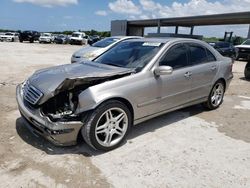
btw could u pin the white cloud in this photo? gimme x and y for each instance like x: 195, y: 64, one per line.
x: 192, y: 7
x: 48, y: 3
x: 124, y: 7
x: 147, y: 9
x: 101, y: 13
x: 153, y: 9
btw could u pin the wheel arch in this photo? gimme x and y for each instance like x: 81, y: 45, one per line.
x: 223, y: 81
x: 122, y: 100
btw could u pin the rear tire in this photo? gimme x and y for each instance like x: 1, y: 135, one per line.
x: 216, y: 96
x: 107, y: 126
x: 247, y: 71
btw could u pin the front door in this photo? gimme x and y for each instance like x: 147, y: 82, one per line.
x: 169, y: 90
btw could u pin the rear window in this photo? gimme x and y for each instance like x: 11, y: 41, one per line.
x: 210, y: 56
x: 198, y: 54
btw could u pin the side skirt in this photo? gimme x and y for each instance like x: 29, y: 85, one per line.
x: 198, y: 101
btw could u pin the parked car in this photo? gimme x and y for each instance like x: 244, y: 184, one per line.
x: 226, y: 49
x: 132, y: 82
x: 46, y: 38
x: 79, y: 38
x: 90, y: 52
x: 93, y: 39
x: 61, y: 39
x: 244, y: 50
x: 30, y: 36
x: 10, y: 37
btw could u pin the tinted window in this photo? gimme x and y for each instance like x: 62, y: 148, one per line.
x: 197, y: 54
x: 176, y: 57
x: 210, y: 56
x: 222, y: 45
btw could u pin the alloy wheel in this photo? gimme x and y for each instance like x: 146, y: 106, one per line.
x: 217, y: 94
x: 111, y: 127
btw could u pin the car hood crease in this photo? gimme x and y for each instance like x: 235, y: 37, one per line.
x: 54, y: 80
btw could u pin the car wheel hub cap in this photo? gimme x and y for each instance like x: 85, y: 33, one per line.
x: 111, y: 127
x: 217, y: 94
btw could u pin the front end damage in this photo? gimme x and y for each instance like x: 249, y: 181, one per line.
x: 57, y: 118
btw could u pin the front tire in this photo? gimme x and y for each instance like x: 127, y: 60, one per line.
x: 108, y: 126
x: 216, y: 96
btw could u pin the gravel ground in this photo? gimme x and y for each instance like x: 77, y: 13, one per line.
x: 192, y: 147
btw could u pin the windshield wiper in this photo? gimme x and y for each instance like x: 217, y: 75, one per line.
x: 112, y: 64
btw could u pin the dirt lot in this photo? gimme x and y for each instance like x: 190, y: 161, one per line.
x: 187, y: 148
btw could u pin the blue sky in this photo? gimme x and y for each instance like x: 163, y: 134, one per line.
x: 59, y: 15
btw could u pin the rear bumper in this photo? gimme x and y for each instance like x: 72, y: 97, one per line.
x: 45, y: 40
x: 73, y: 41
x: 59, y: 133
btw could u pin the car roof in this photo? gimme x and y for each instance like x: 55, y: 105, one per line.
x: 126, y: 37
x: 164, y: 39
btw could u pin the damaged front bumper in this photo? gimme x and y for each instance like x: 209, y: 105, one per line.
x: 59, y: 133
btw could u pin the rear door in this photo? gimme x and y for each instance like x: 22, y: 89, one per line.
x: 203, y: 71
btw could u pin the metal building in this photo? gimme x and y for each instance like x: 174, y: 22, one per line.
x: 136, y: 27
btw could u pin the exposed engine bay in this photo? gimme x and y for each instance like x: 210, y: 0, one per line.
x: 63, y: 105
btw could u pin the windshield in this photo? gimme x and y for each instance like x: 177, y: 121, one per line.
x: 46, y: 35
x: 75, y: 35
x: 9, y: 34
x: 105, y: 42
x: 130, y: 54
x: 247, y: 42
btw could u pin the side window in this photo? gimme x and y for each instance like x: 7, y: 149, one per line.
x: 175, y: 57
x: 197, y: 54
x: 210, y: 56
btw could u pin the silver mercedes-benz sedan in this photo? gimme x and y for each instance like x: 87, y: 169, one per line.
x: 132, y: 82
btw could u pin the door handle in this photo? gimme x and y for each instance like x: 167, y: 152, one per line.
x: 188, y: 74
x: 213, y: 68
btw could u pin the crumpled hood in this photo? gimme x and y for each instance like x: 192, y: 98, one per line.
x: 54, y: 80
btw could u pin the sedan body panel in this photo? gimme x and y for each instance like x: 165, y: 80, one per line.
x: 83, y: 87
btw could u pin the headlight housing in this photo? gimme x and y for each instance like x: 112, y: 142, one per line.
x: 89, y: 55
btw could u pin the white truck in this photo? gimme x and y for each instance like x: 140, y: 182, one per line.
x: 79, y: 38
x: 46, y: 38
x: 10, y: 37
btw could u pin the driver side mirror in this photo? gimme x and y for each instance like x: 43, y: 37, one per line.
x: 163, y: 70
